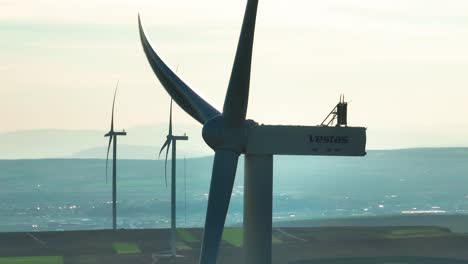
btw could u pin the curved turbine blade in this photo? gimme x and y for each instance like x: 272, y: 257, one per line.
x: 170, y: 119
x: 162, y: 148
x: 165, y: 162
x: 222, y: 180
x: 107, y: 158
x: 184, y: 96
x: 113, y: 104
x: 237, y: 95
x: 166, y: 144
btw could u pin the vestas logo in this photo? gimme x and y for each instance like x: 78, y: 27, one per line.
x: 329, y: 139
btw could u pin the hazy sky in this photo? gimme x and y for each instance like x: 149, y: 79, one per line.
x: 403, y: 64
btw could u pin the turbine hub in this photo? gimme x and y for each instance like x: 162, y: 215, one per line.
x: 220, y: 136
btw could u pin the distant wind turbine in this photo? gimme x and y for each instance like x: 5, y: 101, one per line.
x: 229, y: 133
x: 113, y: 138
x: 171, y: 139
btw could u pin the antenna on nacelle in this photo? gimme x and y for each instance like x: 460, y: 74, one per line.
x: 339, y: 113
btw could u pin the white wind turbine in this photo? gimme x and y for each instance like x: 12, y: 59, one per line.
x: 171, y: 139
x: 113, y: 138
x: 230, y: 134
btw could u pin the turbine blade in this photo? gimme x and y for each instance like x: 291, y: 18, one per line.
x: 170, y: 119
x: 165, y: 165
x: 166, y: 144
x: 107, y: 157
x: 184, y: 96
x: 113, y: 104
x: 237, y: 95
x: 222, y: 180
x: 162, y: 148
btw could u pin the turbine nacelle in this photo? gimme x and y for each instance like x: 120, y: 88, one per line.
x: 219, y: 135
x: 114, y: 133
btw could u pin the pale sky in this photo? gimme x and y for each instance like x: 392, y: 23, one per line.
x: 403, y: 64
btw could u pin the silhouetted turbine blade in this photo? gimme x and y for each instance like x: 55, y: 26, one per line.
x: 113, y: 104
x: 166, y: 144
x: 222, y: 180
x: 184, y: 96
x: 162, y: 148
x: 107, y: 157
x: 165, y: 162
x: 237, y: 95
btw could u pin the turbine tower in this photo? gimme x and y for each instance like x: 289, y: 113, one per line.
x: 230, y: 134
x: 113, y: 138
x: 171, y: 139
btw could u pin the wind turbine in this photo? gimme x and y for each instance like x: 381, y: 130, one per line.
x: 113, y: 138
x: 172, y: 139
x: 230, y: 134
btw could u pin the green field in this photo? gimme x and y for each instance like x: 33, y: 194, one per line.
x: 418, y: 232
x: 186, y: 236
x: 302, y: 245
x: 126, y: 248
x: 235, y: 236
x: 32, y: 260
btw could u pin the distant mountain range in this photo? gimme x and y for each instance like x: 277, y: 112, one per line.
x: 142, y: 142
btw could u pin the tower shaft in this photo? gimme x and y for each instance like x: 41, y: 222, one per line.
x: 173, y: 199
x: 258, y: 197
x: 114, y: 185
